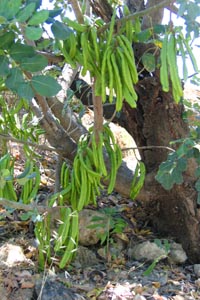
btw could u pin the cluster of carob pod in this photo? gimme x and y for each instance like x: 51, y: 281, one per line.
x: 108, y: 56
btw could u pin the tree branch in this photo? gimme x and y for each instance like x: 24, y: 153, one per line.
x: 141, y: 13
x: 29, y: 207
x: 77, y: 10
x: 52, y: 59
x: 36, y: 146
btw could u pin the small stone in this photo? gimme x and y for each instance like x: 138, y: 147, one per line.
x: 197, y: 283
x: 27, y: 285
x: 177, y: 255
x: 197, y: 270
x: 139, y: 297
x: 55, y: 290
x: 85, y: 258
x: 178, y: 297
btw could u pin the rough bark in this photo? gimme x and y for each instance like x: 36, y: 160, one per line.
x: 157, y: 120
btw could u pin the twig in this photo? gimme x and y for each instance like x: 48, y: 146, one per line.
x: 28, y: 207
x: 58, y: 172
x: 76, y: 7
x: 149, y: 147
x: 10, y: 138
x: 141, y: 13
x: 52, y: 59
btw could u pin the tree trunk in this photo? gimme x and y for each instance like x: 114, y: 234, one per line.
x: 156, y: 121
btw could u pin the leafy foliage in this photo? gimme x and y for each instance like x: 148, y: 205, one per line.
x: 111, y: 222
x: 29, y: 180
x: 12, y: 122
x: 171, y: 171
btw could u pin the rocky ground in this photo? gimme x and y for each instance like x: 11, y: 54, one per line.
x: 134, y: 264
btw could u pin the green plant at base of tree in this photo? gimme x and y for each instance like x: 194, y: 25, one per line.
x: 112, y: 223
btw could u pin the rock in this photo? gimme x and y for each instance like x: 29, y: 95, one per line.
x: 177, y: 255
x: 89, y: 236
x: 52, y: 289
x: 11, y: 255
x: 159, y: 278
x: 178, y: 297
x: 147, y: 251
x: 125, y: 141
x: 117, y: 292
x: 197, y: 283
x: 85, y: 258
x: 139, y: 297
x: 197, y: 270
x: 150, y: 251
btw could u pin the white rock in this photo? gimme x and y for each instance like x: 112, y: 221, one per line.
x: 11, y: 254
x: 139, y: 297
x: 197, y: 270
x: 147, y: 251
x: 177, y: 255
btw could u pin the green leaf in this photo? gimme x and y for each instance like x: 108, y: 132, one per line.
x: 7, y: 39
x: 55, y: 12
x: 193, y: 10
x: 198, y: 198
x: 26, y: 216
x: 148, y: 61
x: 197, y: 172
x: 152, y: 265
x: 150, y: 268
x: 2, y: 181
x: 60, y: 30
x: 45, y: 85
x: 103, y: 237
x: 138, y: 183
x: 35, y: 63
x: 38, y: 3
x: 5, y: 173
x: 32, y: 175
x: 165, y: 180
x: 33, y: 33
x: 26, y: 13
x: 25, y: 91
x: 25, y: 172
x: 9, y: 8
x: 39, y: 17
x: 14, y: 79
x: 98, y: 218
x: 3, y: 20
x: 182, y: 8
x: 170, y: 171
x: 4, y: 66
x: 158, y: 29
x: 144, y: 35
x: 177, y: 176
x: 20, y: 51
x: 197, y: 185
x: 181, y: 164
x: 23, y: 181
x: 185, y: 147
